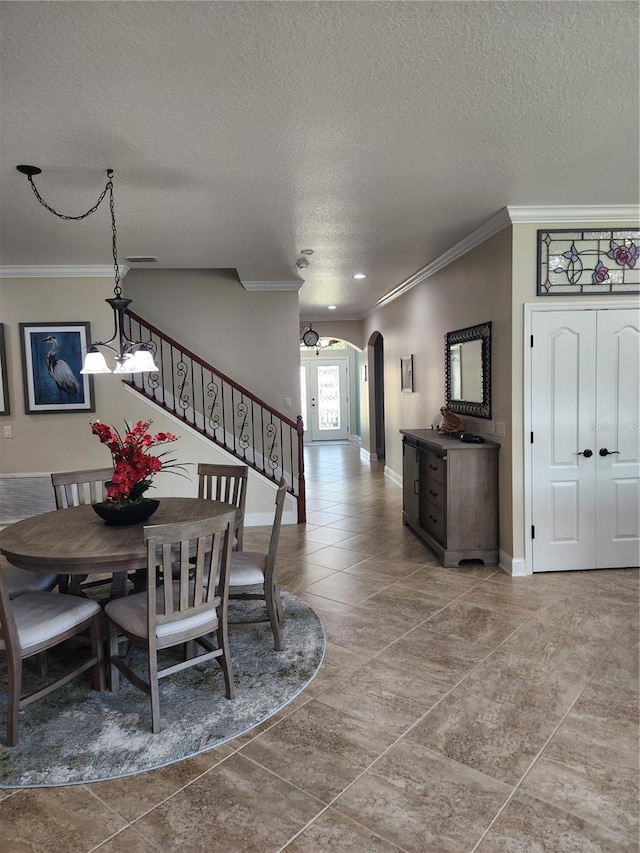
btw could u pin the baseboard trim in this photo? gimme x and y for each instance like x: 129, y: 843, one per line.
x: 514, y: 566
x: 368, y: 457
x: 391, y: 474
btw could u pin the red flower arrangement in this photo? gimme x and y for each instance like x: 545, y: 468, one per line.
x: 133, y: 466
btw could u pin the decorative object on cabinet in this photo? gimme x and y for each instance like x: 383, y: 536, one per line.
x: 467, y: 365
x: 451, y: 424
x: 51, y: 365
x: 581, y: 262
x: 5, y: 408
x: 450, y: 496
x: 406, y: 373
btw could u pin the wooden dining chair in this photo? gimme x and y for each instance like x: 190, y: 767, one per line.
x: 181, y: 612
x: 77, y: 488
x: 253, y: 574
x: 37, y: 621
x: 226, y: 483
x: 19, y: 581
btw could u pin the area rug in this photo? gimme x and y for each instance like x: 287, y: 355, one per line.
x: 76, y: 735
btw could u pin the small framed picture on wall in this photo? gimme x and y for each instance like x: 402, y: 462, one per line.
x: 52, y: 355
x: 406, y: 373
x: 4, y: 384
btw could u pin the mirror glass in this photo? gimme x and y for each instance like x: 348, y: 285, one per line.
x: 468, y: 371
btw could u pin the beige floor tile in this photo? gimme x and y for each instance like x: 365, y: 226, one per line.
x: 423, y: 802
x: 505, y: 599
x: 361, y: 631
x: 55, y: 820
x: 319, y: 749
x: 132, y: 796
x: 237, y: 806
x: 486, y: 629
x: 127, y: 841
x: 332, y: 832
x: 407, y: 604
x: 338, y: 662
x: 526, y: 685
x: 496, y: 739
x: 368, y: 694
x: 326, y: 536
x: 434, y: 581
x: 530, y: 825
x: 333, y: 557
x: 350, y: 589
x: 436, y: 660
x: 298, y: 575
x: 389, y: 570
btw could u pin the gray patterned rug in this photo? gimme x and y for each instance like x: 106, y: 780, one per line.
x: 77, y: 735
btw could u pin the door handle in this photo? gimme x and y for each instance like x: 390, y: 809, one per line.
x: 604, y: 452
x: 586, y: 453
x: 415, y: 487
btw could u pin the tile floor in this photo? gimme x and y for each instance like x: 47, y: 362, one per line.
x: 456, y: 710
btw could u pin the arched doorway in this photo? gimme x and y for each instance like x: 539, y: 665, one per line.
x: 376, y: 395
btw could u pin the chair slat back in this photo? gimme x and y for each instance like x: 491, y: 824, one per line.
x: 190, y: 554
x: 76, y: 488
x: 226, y: 483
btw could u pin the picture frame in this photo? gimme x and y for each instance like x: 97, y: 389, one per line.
x: 52, y: 355
x: 5, y: 408
x: 406, y: 374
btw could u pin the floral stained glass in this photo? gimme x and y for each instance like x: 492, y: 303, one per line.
x: 588, y: 262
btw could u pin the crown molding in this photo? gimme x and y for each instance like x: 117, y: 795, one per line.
x: 619, y: 214
x: 62, y: 272
x: 497, y: 223
x: 605, y: 214
x: 268, y: 286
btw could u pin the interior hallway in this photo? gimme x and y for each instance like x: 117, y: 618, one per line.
x: 456, y: 710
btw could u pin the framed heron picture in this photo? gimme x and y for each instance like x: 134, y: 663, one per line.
x: 52, y: 356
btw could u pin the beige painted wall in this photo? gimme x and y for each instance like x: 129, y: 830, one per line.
x: 251, y: 337
x: 59, y: 442
x: 474, y: 289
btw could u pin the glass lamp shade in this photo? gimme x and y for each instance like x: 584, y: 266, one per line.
x: 94, y: 362
x: 141, y: 361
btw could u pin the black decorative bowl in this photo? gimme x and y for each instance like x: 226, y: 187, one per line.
x: 120, y: 516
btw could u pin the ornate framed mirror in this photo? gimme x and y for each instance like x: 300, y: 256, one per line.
x: 467, y: 360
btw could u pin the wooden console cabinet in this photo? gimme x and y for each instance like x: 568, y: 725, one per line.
x: 450, y: 495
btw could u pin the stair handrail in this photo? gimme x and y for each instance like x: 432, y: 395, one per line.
x: 296, y: 425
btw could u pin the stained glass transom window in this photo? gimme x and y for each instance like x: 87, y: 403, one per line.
x: 587, y: 262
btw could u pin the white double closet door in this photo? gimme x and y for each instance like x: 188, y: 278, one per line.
x: 585, y: 447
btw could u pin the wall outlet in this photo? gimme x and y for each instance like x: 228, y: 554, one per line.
x: 287, y: 402
x: 7, y: 432
x: 489, y: 429
x: 500, y: 428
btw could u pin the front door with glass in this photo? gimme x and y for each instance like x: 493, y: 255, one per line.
x: 324, y: 399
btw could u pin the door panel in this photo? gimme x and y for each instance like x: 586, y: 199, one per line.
x: 563, y: 401
x: 616, y: 427
x: 586, y: 451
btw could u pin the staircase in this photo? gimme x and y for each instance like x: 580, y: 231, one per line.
x: 219, y: 409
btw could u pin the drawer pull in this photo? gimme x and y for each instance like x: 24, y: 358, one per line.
x: 433, y: 519
x: 415, y: 487
x: 433, y: 494
x: 433, y: 467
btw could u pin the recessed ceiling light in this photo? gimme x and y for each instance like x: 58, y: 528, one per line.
x: 359, y: 275
x: 332, y: 307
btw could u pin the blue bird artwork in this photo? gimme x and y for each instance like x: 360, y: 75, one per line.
x: 65, y: 381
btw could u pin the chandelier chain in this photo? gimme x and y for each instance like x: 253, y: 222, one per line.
x: 108, y: 189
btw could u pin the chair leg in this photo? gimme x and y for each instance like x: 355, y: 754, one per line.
x: 13, y: 699
x: 270, y: 594
x: 114, y: 672
x: 225, y: 660
x: 154, y: 692
x: 97, y: 650
x: 43, y: 664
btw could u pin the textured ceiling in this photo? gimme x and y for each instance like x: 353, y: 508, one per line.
x: 378, y: 134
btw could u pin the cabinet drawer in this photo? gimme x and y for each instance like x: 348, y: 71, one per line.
x: 435, y: 493
x: 435, y: 467
x: 434, y: 520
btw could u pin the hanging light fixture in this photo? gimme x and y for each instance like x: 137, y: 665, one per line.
x: 130, y: 356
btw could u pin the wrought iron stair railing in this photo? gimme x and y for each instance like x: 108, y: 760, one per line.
x: 220, y: 409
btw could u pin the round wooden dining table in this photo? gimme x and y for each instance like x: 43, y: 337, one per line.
x: 75, y: 541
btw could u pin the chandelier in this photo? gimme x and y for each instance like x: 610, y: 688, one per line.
x: 130, y: 356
